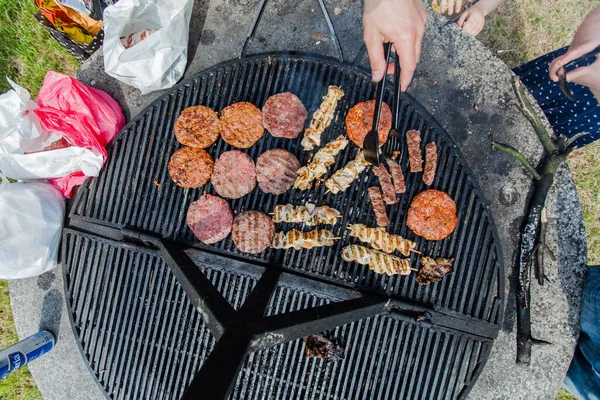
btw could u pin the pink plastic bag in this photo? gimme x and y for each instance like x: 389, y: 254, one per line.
x: 86, y: 117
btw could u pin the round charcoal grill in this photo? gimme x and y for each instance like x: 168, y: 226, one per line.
x: 160, y: 315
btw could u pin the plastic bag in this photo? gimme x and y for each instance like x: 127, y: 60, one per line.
x: 156, y: 62
x: 31, y: 220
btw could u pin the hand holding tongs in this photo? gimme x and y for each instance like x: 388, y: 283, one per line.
x: 563, y: 84
x: 371, y: 142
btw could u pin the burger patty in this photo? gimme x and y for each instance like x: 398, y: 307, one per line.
x: 276, y: 171
x: 197, y: 126
x: 241, y: 124
x: 210, y: 218
x: 359, y: 122
x: 432, y: 214
x: 234, y: 174
x: 190, y: 167
x: 252, y: 231
x: 284, y: 115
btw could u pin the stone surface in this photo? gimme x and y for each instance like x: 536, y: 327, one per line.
x: 468, y: 90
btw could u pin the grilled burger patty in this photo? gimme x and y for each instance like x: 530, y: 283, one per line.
x: 276, y: 171
x: 432, y: 214
x: 190, y: 167
x: 210, y: 218
x: 284, y: 115
x: 252, y: 231
x: 359, y: 122
x: 234, y: 175
x: 241, y: 124
x: 197, y: 126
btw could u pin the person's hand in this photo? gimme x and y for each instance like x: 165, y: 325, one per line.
x: 400, y: 22
x: 472, y: 21
x: 452, y: 6
x: 586, y: 39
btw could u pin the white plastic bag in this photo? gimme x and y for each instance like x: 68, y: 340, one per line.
x: 156, y: 62
x: 22, y: 141
x: 31, y: 220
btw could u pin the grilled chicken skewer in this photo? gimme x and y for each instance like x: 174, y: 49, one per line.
x: 303, y: 240
x: 308, y: 214
x: 343, y: 177
x: 381, y: 240
x: 379, y: 262
x: 319, y: 163
x: 322, y: 118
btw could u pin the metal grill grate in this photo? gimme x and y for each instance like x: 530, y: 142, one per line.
x: 143, y: 336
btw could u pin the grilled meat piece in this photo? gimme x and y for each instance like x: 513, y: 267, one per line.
x: 379, y: 239
x: 276, y: 171
x: 319, y: 163
x: 378, y: 206
x: 210, y: 218
x: 397, y: 176
x: 303, y: 240
x: 322, y: 118
x: 319, y: 347
x: 359, y: 122
x: 190, y: 167
x: 343, y: 177
x: 241, y: 124
x: 433, y: 270
x: 197, y: 126
x: 385, y: 181
x: 284, y: 115
x: 413, y: 141
x: 234, y: 175
x: 432, y: 214
x: 252, y: 231
x: 379, y: 262
x: 430, y: 163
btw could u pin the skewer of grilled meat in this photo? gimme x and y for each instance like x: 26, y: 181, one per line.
x: 385, y: 180
x: 430, y: 163
x: 308, y: 214
x: 303, y: 240
x: 319, y: 163
x: 321, y: 118
x: 397, y: 176
x: 379, y: 239
x: 343, y: 177
x: 413, y: 141
x: 378, y: 206
x: 379, y: 262
x: 433, y: 270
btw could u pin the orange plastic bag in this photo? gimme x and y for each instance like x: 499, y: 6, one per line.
x: 78, y: 27
x: 85, y: 116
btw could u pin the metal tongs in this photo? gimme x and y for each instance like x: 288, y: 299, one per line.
x: 371, y: 142
x: 563, y: 84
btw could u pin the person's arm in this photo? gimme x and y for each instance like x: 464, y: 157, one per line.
x: 586, y: 39
x: 401, y: 22
x: 473, y: 19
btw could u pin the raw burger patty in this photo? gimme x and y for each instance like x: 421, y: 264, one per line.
x: 190, y: 167
x: 284, y: 115
x: 197, y: 126
x: 210, y: 218
x: 234, y: 175
x: 432, y: 214
x: 252, y: 231
x: 359, y: 122
x: 241, y: 125
x: 276, y: 171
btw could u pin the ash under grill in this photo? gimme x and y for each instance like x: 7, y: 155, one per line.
x: 136, y: 317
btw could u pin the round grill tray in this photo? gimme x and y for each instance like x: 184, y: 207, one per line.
x: 142, y: 336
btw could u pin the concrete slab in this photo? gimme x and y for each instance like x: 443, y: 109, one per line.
x: 468, y: 90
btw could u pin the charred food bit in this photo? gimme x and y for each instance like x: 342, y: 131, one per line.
x: 433, y: 270
x: 319, y: 347
x: 359, y: 122
x: 385, y: 181
x: 397, y: 176
x: 296, y: 239
x: 430, y: 163
x: 432, y: 214
x: 319, y: 163
x: 284, y: 115
x: 379, y: 262
x: 413, y: 141
x: 378, y: 206
x: 379, y: 239
x: 322, y: 118
x: 308, y: 214
x: 343, y: 177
